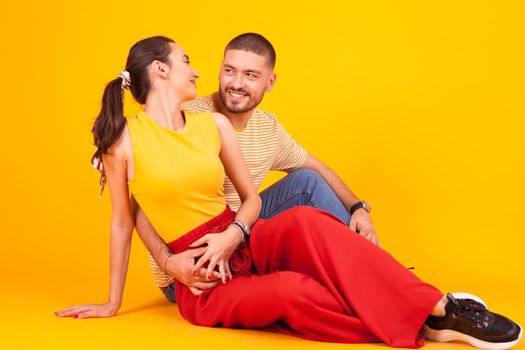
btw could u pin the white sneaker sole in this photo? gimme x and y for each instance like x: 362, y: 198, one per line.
x: 463, y: 295
x: 447, y: 335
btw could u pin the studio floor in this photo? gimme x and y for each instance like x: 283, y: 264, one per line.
x: 147, y: 321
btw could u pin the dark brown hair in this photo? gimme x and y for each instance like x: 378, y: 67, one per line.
x: 255, y: 43
x: 110, y: 121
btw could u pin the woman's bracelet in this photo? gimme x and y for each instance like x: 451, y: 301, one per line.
x: 245, y: 230
x: 242, y: 233
x: 166, y: 261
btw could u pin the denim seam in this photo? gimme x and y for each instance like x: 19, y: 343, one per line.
x: 295, y: 194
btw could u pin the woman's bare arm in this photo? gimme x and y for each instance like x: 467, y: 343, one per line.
x: 115, y: 166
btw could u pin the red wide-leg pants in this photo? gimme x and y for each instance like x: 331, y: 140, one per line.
x: 307, y: 274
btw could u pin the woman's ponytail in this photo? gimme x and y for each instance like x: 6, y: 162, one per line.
x: 110, y: 121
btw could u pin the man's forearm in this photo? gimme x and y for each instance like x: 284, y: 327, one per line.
x: 347, y: 197
x: 151, y: 239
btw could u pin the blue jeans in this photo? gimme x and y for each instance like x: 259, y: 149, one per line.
x: 300, y: 187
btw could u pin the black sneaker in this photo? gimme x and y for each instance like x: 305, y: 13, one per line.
x: 469, y: 321
x: 463, y: 295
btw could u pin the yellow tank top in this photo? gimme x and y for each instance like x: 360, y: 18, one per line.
x: 178, y: 178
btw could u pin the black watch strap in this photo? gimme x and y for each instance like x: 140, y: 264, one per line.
x: 362, y: 204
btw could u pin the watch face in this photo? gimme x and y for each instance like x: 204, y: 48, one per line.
x: 367, y: 206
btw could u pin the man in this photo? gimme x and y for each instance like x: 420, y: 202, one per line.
x: 246, y: 75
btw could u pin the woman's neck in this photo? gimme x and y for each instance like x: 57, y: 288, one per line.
x: 165, y: 111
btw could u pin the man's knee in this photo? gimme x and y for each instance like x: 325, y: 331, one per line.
x: 308, y: 181
x: 306, y: 175
x: 300, y: 212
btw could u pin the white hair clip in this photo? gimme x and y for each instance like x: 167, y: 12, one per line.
x: 126, y: 81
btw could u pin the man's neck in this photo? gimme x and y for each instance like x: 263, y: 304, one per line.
x: 238, y: 120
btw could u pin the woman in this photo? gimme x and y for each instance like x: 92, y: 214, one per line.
x: 301, y: 273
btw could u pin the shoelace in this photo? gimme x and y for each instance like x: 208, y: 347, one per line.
x: 471, y: 310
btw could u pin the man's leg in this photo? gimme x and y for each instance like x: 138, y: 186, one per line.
x: 301, y: 187
x: 169, y: 293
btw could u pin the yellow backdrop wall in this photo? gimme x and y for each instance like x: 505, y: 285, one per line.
x: 418, y: 105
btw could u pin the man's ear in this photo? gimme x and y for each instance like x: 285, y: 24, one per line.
x: 271, y: 82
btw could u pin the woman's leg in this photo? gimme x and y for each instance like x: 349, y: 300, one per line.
x: 286, y: 302
x: 338, y: 287
x: 365, y: 280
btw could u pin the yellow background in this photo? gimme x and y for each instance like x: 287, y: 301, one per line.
x: 418, y: 106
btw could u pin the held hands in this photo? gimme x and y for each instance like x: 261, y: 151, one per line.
x: 361, y: 223
x: 89, y: 310
x: 182, y: 265
x: 220, y: 247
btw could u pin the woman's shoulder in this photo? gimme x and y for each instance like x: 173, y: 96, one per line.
x: 220, y: 119
x: 121, y: 148
x: 211, y: 118
x: 135, y: 120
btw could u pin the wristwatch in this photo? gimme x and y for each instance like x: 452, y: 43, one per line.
x: 359, y: 205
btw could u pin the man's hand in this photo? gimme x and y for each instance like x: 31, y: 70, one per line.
x: 181, y: 266
x: 361, y: 223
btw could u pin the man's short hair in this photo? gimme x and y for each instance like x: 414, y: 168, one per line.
x: 253, y: 42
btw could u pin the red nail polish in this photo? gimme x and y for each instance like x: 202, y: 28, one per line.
x: 75, y: 316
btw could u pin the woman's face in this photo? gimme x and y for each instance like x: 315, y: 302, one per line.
x: 181, y: 76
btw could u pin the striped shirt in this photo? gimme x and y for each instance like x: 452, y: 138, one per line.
x: 265, y: 146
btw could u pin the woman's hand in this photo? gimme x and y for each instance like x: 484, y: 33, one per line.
x: 220, y: 247
x: 89, y: 310
x: 181, y: 266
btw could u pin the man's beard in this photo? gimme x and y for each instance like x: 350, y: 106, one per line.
x: 234, y: 108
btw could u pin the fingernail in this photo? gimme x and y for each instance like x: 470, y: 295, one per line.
x: 75, y: 316
x: 208, y: 277
x: 194, y: 272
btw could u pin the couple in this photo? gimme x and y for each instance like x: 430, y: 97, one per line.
x: 303, y: 272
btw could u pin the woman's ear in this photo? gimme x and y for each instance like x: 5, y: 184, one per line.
x: 160, y: 69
